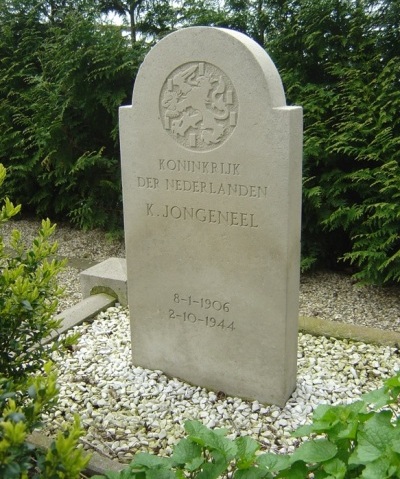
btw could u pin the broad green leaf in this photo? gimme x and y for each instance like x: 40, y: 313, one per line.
x: 194, y: 464
x: 221, y: 431
x: 376, y: 469
x: 273, y: 462
x: 380, y: 431
x: 393, y: 382
x: 212, y: 470
x: 336, y: 468
x: 303, y: 431
x: 365, y: 452
x: 396, y: 445
x: 246, y: 450
x: 198, y: 432
x: 151, y: 461
x: 185, y: 451
x: 250, y: 473
x: 209, y: 439
x: 297, y: 470
x: 160, y: 474
x: 349, y: 432
x: 324, y: 412
x: 377, y: 398
x: 376, y: 439
x: 318, y: 450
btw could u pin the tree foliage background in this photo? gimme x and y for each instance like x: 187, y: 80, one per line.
x: 64, y: 71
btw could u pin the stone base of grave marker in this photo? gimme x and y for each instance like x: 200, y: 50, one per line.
x: 211, y: 170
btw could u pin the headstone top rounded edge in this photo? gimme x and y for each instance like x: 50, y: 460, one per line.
x: 242, y: 44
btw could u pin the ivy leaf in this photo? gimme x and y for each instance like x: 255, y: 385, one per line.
x: 318, y: 450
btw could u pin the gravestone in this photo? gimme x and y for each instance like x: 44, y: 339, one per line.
x: 211, y: 172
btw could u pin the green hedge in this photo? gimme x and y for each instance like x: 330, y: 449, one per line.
x: 63, y: 79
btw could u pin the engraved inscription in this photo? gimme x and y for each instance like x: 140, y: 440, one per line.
x: 208, y: 321
x: 203, y: 187
x: 211, y: 188
x: 199, y: 106
x: 204, y: 303
x: 203, y: 215
x: 198, y: 166
x: 215, y: 307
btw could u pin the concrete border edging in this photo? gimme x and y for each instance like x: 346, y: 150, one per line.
x: 98, y: 464
x: 353, y: 332
x: 81, y: 312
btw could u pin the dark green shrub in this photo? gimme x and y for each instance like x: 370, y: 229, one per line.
x: 337, y: 61
x: 61, y: 84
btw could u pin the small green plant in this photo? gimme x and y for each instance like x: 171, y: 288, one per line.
x: 21, y: 407
x: 359, y: 440
x: 28, y: 297
x: 28, y: 300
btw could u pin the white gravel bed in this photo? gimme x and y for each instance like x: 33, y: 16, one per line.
x: 337, y: 297
x: 126, y: 409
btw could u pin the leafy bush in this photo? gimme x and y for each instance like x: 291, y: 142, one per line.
x: 359, y: 440
x: 21, y: 407
x: 28, y: 299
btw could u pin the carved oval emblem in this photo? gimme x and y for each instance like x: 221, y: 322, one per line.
x: 199, y: 106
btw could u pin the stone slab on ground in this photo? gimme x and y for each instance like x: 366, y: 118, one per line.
x: 80, y: 312
x: 109, y: 277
